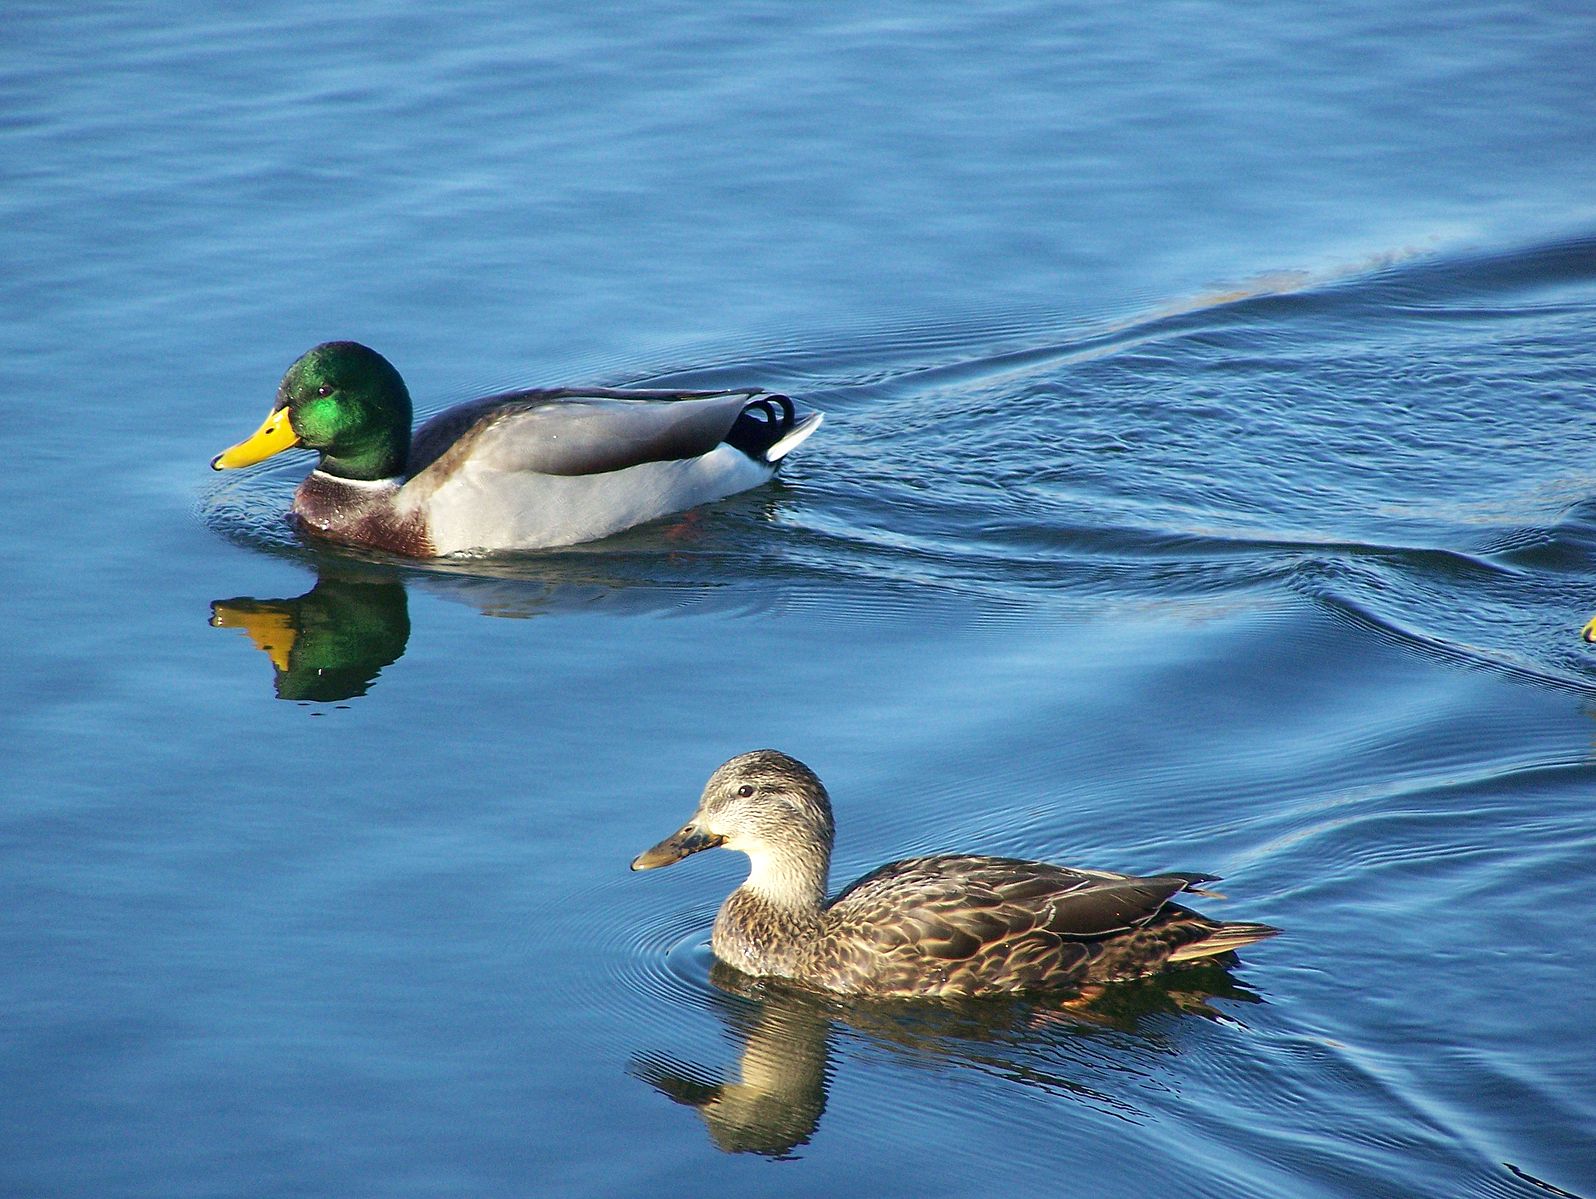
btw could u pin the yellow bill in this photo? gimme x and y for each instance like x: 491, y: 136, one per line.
x: 273, y: 437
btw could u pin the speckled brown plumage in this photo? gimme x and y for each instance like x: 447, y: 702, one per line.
x: 948, y: 925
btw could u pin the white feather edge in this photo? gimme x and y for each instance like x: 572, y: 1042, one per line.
x: 795, y: 437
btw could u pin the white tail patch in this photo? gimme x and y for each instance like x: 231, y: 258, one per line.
x: 795, y: 437
x: 1222, y: 940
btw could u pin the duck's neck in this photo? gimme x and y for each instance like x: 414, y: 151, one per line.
x: 793, y: 878
x: 767, y: 925
x: 374, y: 456
x: 324, y: 500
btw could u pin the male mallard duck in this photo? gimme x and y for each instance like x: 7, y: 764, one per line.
x: 519, y: 471
x: 948, y: 925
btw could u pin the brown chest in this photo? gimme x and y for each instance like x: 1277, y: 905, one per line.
x: 360, y: 514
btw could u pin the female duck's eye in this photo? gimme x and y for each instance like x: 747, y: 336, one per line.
x: 745, y: 792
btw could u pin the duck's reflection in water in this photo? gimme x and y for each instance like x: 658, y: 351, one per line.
x: 330, y: 643
x: 771, y: 1101
x: 774, y: 1103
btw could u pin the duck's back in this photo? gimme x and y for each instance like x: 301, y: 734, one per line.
x: 577, y: 431
x: 528, y: 470
x: 969, y: 925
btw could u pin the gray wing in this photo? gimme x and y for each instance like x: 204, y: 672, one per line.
x: 571, y: 431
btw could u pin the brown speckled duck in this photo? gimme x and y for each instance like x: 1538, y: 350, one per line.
x: 948, y: 925
x: 520, y: 471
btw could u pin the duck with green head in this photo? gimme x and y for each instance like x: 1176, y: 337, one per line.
x: 522, y: 470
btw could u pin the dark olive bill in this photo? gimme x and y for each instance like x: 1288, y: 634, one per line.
x: 689, y: 840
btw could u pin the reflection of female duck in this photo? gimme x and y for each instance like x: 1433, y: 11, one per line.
x: 328, y: 644
x: 523, y: 470
x: 773, y: 1102
x: 945, y: 925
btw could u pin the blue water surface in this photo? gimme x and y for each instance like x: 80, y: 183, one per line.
x: 1206, y: 484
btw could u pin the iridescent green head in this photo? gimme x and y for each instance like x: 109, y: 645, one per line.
x: 344, y: 400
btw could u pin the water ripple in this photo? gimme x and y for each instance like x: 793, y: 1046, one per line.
x: 1392, y: 444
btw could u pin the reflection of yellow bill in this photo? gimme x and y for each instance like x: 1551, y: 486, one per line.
x: 1589, y: 631
x: 273, y: 437
x: 270, y: 628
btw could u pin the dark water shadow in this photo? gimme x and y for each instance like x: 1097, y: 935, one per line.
x: 771, y: 1100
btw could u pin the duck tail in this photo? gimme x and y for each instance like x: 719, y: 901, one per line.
x: 795, y: 436
x: 1195, y: 884
x: 1222, y: 939
x: 770, y: 427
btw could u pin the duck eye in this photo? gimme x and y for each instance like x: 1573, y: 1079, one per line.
x: 324, y: 390
x: 745, y: 792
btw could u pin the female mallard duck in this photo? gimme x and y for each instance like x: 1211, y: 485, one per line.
x: 519, y: 471
x: 949, y: 925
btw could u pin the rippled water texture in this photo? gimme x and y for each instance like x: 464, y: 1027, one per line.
x: 1206, y: 485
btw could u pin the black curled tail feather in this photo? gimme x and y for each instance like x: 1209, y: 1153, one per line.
x: 761, y: 424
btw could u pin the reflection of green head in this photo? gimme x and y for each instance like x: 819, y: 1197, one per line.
x: 328, y: 644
